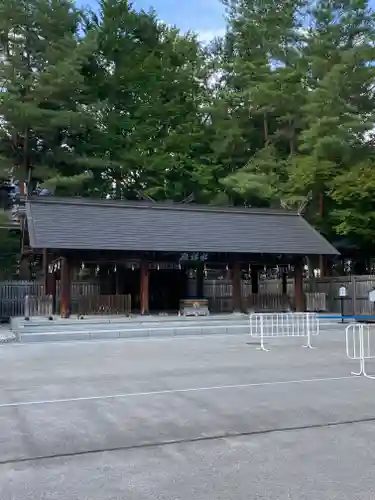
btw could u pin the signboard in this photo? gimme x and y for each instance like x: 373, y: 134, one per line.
x: 195, y: 257
x: 371, y: 296
x: 342, y: 291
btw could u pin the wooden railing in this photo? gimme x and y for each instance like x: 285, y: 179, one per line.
x: 268, y: 302
x: 38, y: 305
x: 220, y: 304
x: 104, y: 304
x: 316, y: 302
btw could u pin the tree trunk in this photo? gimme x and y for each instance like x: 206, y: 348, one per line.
x: 321, y: 204
x: 292, y: 148
x: 265, y: 127
x: 322, y: 263
x: 24, y: 177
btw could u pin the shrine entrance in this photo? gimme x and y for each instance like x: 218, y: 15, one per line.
x: 167, y: 288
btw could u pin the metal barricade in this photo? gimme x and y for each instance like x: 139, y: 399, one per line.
x: 38, y: 306
x: 358, y: 346
x: 279, y: 325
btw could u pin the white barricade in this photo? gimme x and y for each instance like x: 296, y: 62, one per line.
x: 358, y: 345
x: 279, y: 325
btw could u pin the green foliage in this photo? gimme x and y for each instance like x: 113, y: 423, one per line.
x: 257, y: 182
x: 308, y: 89
x: 150, y: 101
x: 353, y: 192
x: 114, y: 103
x: 44, y: 95
x: 9, y: 248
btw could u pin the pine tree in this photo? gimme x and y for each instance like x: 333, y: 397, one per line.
x: 340, y: 108
x: 43, y: 100
x: 268, y: 81
x: 149, y: 85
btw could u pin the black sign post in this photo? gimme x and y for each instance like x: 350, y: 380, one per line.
x: 342, y: 295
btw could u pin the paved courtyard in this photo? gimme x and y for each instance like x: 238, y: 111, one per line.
x: 208, y: 418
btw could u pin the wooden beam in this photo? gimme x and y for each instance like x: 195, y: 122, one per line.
x: 144, y: 287
x: 236, y: 286
x: 45, y: 264
x: 200, y: 281
x: 284, y: 282
x: 65, y: 290
x: 299, y: 296
x: 254, y: 275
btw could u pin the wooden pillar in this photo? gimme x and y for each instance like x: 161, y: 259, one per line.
x: 236, y: 286
x: 52, y: 288
x: 65, y: 287
x: 49, y: 277
x: 45, y: 264
x: 228, y: 273
x: 322, y: 266
x: 24, y: 268
x: 144, y: 288
x: 200, y: 282
x: 328, y: 267
x: 118, y: 281
x: 299, y: 296
x: 254, y: 275
x: 284, y: 282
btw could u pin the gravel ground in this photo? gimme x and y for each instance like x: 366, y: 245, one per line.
x: 185, y: 419
x: 6, y: 335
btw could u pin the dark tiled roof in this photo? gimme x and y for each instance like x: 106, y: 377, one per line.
x: 78, y: 223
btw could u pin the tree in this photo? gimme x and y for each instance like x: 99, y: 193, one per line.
x: 353, y: 194
x: 43, y: 102
x: 339, y: 53
x: 9, y: 237
x: 148, y: 82
x: 265, y: 84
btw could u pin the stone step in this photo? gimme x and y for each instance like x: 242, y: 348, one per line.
x: 141, y: 331
x: 38, y: 320
x: 40, y: 329
x: 20, y: 325
x: 136, y: 331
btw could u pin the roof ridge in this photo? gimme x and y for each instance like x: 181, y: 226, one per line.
x: 160, y: 205
x: 82, y: 224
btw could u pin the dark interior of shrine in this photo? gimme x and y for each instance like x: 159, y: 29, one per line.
x: 166, y: 286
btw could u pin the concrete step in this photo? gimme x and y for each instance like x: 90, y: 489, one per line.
x: 135, y: 331
x: 42, y: 330
x: 142, y: 332
x: 20, y: 325
x: 129, y: 326
x: 38, y: 324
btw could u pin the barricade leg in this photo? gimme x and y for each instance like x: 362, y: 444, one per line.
x: 365, y: 373
x: 362, y: 369
x: 308, y: 344
x: 261, y: 347
x: 366, y: 353
x: 361, y: 352
x: 309, y: 326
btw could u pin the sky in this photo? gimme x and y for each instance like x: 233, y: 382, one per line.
x: 202, y: 16
x: 205, y: 17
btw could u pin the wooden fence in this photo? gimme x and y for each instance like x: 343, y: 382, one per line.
x: 104, y: 304
x: 219, y: 295
x: 357, y: 299
x: 38, y: 305
x: 321, y: 294
x: 12, y: 296
x: 13, y: 293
